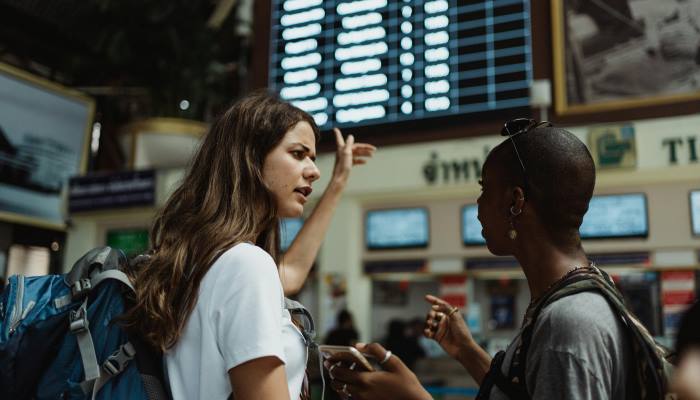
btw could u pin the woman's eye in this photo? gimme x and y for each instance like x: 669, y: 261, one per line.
x: 298, y: 154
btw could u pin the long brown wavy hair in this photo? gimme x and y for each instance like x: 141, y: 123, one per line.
x: 221, y: 201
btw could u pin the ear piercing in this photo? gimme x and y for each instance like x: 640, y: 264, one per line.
x: 514, y: 212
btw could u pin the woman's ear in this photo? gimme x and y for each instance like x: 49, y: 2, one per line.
x: 518, y: 200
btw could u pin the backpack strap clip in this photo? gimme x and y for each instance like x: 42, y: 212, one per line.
x: 116, y: 363
x: 80, y: 288
x: 78, y: 321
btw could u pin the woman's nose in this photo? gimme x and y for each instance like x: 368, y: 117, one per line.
x: 312, y: 172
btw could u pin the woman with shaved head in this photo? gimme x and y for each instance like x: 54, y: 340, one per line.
x: 536, y: 186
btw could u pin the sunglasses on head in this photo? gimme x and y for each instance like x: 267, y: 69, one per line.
x: 518, y: 126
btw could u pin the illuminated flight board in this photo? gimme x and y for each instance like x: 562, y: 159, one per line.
x: 366, y: 62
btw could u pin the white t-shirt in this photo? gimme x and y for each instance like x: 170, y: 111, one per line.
x: 239, y: 316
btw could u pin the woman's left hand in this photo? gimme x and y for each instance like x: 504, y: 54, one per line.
x: 395, y: 381
x: 349, y: 153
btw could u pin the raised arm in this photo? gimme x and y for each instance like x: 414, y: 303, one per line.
x: 300, y: 256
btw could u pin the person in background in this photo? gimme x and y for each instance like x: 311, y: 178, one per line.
x: 397, y: 340
x: 402, y: 340
x: 344, y: 333
x: 211, y: 295
x: 686, y: 380
x: 536, y: 187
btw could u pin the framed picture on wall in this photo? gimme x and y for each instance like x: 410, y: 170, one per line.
x: 613, y: 54
x: 44, y: 130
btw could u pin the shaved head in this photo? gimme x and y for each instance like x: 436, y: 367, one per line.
x: 560, y: 177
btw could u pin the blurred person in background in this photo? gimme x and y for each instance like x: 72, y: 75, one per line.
x: 344, y: 333
x: 401, y: 342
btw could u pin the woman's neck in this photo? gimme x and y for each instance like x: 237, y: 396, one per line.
x: 545, y: 263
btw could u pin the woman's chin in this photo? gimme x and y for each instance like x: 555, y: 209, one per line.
x: 293, y: 211
x: 495, y: 250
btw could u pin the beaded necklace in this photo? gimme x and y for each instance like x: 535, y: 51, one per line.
x: 554, y: 284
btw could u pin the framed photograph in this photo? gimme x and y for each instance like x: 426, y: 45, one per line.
x: 44, y: 131
x: 614, y: 54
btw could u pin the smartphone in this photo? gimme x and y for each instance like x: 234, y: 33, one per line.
x: 346, y: 353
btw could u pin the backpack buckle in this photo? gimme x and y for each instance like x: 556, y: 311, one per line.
x: 78, y: 322
x: 81, y: 287
x: 116, y: 363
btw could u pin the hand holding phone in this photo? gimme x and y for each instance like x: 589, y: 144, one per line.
x: 348, y: 354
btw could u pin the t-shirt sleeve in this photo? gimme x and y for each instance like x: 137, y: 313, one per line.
x: 246, y: 306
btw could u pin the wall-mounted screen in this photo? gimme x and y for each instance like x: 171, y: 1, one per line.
x: 367, y: 62
x: 616, y: 216
x: 471, y: 227
x: 397, y: 228
x: 695, y: 211
x: 289, y: 228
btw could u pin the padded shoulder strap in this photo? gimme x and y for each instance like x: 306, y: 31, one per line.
x: 650, y: 358
x: 111, y: 274
x: 100, y: 259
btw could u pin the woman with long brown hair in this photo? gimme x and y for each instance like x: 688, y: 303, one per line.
x: 211, y: 296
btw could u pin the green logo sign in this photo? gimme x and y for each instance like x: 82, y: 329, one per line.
x: 613, y: 146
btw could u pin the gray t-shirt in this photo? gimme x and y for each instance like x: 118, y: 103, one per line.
x: 579, y: 350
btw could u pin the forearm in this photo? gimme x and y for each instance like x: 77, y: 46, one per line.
x: 475, y: 360
x: 300, y: 256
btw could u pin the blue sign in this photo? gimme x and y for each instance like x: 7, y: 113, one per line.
x: 117, y: 190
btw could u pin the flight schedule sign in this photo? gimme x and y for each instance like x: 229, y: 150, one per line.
x: 369, y: 62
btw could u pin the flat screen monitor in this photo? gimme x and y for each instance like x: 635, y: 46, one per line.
x: 397, y: 228
x: 368, y: 62
x: 471, y: 227
x: 289, y: 228
x: 695, y: 211
x: 616, y: 216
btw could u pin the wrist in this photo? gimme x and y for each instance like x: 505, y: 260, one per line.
x: 337, y: 184
x: 467, y: 351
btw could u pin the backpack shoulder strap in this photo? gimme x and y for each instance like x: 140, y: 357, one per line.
x: 652, y: 367
x: 495, y: 377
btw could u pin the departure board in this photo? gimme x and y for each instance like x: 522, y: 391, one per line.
x: 367, y: 62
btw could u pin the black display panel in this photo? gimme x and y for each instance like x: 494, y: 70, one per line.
x: 616, y: 216
x: 289, y: 228
x: 397, y: 228
x: 471, y: 227
x: 695, y: 212
x: 367, y: 62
